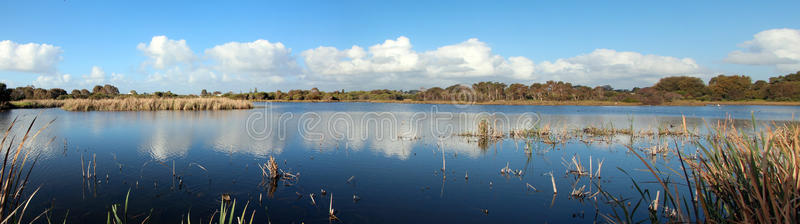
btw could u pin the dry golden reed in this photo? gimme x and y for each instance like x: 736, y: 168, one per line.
x: 153, y: 104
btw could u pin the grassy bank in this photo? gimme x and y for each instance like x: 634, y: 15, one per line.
x: 137, y: 104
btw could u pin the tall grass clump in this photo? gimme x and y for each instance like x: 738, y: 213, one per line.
x: 750, y: 178
x: 18, y: 163
x: 153, y: 104
x: 736, y: 176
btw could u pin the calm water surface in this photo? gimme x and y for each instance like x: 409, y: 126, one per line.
x: 388, y: 155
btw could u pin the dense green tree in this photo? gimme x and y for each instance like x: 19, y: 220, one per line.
x: 5, y: 94
x: 758, y: 90
x: 110, y: 90
x: 687, y: 86
x: 98, y: 89
x: 54, y: 93
x: 786, y: 78
x: 516, y: 91
x: 731, y: 87
x: 784, y: 91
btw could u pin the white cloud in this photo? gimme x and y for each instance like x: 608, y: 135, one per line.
x: 115, y: 77
x: 466, y: 59
x: 163, y: 52
x: 96, y: 77
x: 232, y: 65
x: 776, y: 47
x: 395, y: 64
x: 393, y: 56
x: 606, y: 65
x: 53, y: 80
x: 259, y: 57
x: 30, y: 57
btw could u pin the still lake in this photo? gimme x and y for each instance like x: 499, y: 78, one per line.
x: 381, y: 163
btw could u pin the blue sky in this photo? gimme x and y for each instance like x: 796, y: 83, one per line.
x: 448, y: 42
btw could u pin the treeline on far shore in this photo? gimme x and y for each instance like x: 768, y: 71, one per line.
x: 668, y: 89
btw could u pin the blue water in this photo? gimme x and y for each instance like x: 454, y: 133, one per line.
x: 390, y: 153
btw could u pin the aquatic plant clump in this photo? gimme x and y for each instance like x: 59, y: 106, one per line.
x: 153, y: 104
x: 745, y: 178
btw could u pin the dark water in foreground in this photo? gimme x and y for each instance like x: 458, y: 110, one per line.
x: 388, y: 155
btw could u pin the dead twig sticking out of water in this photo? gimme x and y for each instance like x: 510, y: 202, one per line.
x: 444, y: 163
x: 505, y: 171
x: 331, y: 212
x: 529, y: 186
x: 575, y: 167
x: 580, y: 194
x: 273, y: 174
x: 270, y: 169
x: 553, y: 179
x: 654, y: 204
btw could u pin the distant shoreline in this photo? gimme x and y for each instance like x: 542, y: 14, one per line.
x: 30, y: 104
x: 554, y: 103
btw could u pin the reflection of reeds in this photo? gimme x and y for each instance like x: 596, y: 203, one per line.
x: 152, y: 104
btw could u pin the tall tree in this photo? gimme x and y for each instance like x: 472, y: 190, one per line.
x: 110, y: 90
x: 731, y: 87
x: 5, y: 94
x: 684, y: 85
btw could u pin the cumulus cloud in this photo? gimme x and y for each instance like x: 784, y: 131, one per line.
x: 53, y: 81
x: 232, y: 64
x: 97, y: 76
x: 605, y: 65
x: 259, y: 56
x: 395, y: 62
x: 30, y: 57
x: 776, y: 47
x: 163, y: 52
x: 392, y: 56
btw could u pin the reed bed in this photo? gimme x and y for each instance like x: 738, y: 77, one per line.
x: 37, y: 103
x: 744, y: 178
x: 154, y: 104
x: 734, y: 177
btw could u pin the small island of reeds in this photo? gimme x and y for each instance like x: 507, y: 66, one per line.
x: 138, y: 104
